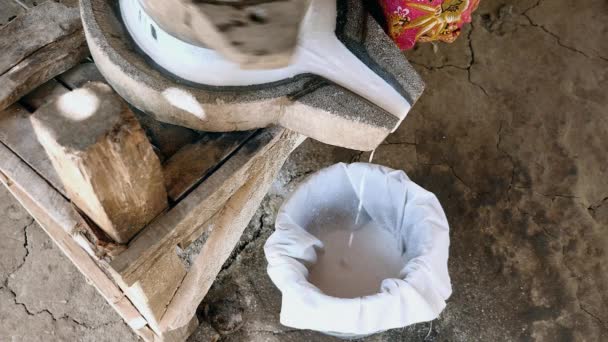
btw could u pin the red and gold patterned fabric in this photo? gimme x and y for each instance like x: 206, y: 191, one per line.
x: 411, y: 21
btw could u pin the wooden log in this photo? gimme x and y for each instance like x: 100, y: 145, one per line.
x: 189, y: 217
x: 193, y: 162
x: 57, y: 217
x: 37, y: 46
x: 103, y: 158
x: 228, y: 228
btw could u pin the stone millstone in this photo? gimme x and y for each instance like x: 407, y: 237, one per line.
x: 307, y: 104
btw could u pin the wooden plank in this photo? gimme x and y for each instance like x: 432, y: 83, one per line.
x: 9, y: 10
x: 39, y: 27
x: 80, y: 75
x: 193, y: 162
x: 17, y: 133
x: 167, y: 138
x: 152, y: 293
x: 33, y: 3
x: 43, y: 94
x: 103, y: 158
x: 180, y: 335
x: 57, y: 217
x: 36, y: 47
x: 230, y: 223
x: 189, y: 216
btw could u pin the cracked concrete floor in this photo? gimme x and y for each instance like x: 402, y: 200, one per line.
x: 511, y: 134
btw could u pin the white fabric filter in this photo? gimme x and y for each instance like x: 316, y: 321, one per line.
x: 412, y: 216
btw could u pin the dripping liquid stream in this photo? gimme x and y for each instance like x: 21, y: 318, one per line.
x: 360, y: 206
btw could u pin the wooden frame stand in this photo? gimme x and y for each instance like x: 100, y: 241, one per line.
x: 120, y: 194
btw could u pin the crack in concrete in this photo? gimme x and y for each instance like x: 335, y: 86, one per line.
x: 443, y: 66
x: 386, y: 143
x: 525, y: 12
x: 27, y: 310
x: 472, y: 61
x: 453, y: 172
x: 578, y: 278
x: 595, y: 317
x: 593, y: 207
x: 568, y: 267
x: 277, y: 333
x: 25, y: 245
x: 555, y: 36
x: 460, y: 179
x: 33, y: 313
x: 508, y: 155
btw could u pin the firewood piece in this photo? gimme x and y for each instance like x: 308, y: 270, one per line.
x: 102, y: 156
x: 37, y: 46
x: 194, y: 161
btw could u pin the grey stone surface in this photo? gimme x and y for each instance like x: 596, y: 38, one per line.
x: 511, y: 134
x: 304, y: 103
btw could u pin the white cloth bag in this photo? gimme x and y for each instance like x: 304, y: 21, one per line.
x: 420, y: 223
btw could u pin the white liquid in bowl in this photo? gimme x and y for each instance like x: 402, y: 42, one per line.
x: 355, y: 271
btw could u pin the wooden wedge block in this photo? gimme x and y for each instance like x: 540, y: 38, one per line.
x: 37, y: 46
x: 103, y: 158
x: 152, y: 293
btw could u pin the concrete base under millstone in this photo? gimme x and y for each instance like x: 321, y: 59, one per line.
x: 307, y: 104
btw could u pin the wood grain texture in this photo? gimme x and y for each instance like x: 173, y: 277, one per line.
x: 57, y: 217
x: 37, y: 46
x: 152, y: 293
x: 103, y: 159
x: 166, y: 138
x: 39, y: 27
x: 17, y: 133
x: 189, y: 216
x: 81, y: 74
x: 9, y: 10
x: 195, y: 161
x: 43, y: 94
x: 228, y: 228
